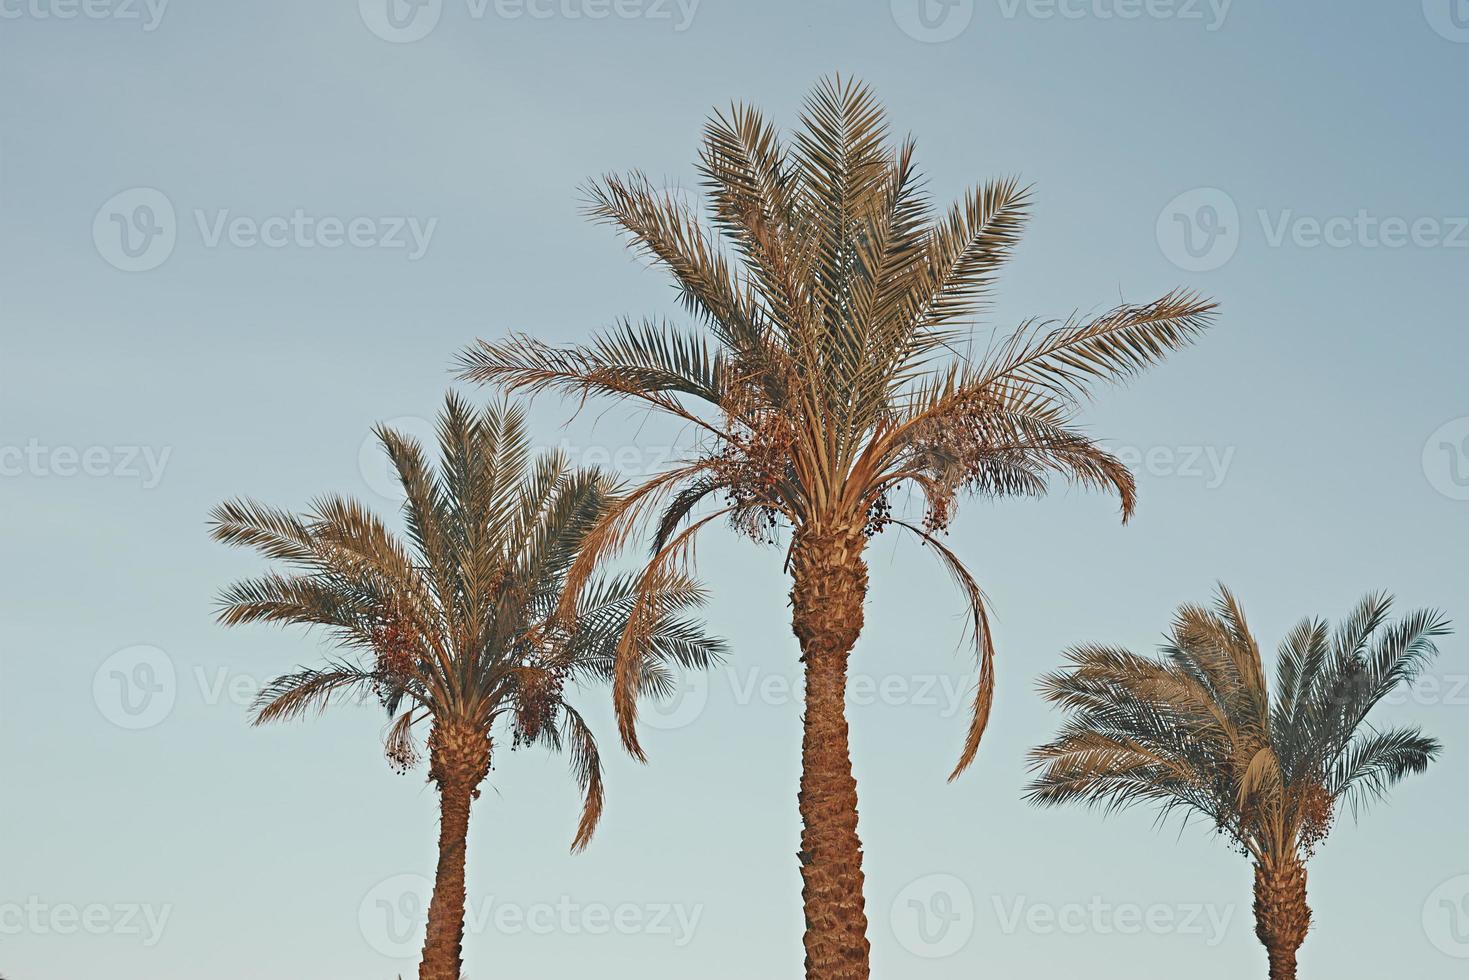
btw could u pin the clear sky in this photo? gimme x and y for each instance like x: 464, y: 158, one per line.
x: 234, y: 236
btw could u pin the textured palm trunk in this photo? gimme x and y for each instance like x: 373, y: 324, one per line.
x: 1282, y: 917
x: 830, y: 586
x: 459, y: 760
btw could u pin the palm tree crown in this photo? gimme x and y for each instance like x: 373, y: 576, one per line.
x: 1199, y: 730
x: 453, y: 625
x: 829, y: 377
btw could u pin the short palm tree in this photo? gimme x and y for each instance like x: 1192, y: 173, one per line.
x: 1199, y: 730
x: 452, y: 629
x: 825, y: 380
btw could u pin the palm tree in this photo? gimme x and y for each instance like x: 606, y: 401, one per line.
x: 827, y: 379
x: 1199, y: 730
x: 452, y: 628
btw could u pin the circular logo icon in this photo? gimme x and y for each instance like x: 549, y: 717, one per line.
x: 377, y: 469
x: 1199, y: 230
x: 1446, y: 918
x: 933, y: 917
x: 680, y: 708
x: 1446, y: 459
x: 933, y: 21
x: 1449, y: 18
x: 135, y: 230
x: 401, y: 21
x: 135, y: 688
x: 394, y: 915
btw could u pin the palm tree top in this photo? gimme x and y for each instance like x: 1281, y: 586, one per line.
x: 1199, y: 728
x: 825, y: 376
x: 460, y: 622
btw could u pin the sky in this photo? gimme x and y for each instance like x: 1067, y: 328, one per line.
x: 235, y: 236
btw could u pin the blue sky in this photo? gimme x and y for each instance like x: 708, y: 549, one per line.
x: 233, y: 237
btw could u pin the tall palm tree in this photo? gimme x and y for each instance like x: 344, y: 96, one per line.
x: 825, y: 380
x: 1199, y: 730
x: 453, y: 628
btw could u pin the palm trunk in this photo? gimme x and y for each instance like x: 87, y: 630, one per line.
x: 1282, y: 917
x: 830, y: 586
x: 459, y: 761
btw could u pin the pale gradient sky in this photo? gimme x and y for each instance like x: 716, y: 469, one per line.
x: 1295, y: 454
